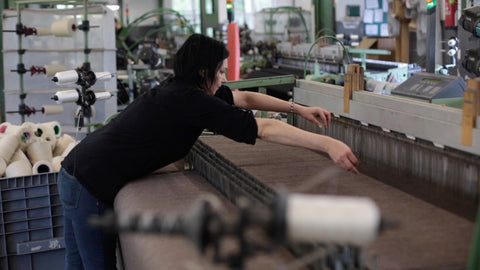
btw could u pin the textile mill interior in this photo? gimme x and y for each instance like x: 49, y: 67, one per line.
x: 397, y: 83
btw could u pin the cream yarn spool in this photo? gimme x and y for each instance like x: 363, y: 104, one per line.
x: 39, y: 151
x: 18, y: 168
x: 52, y: 69
x: 18, y: 155
x: 23, y: 133
x: 42, y: 166
x: 63, y: 28
x: 103, y: 76
x: 50, y: 138
x: 8, y: 146
x: 3, y: 167
x: 3, y: 127
x: 62, y: 144
x: 28, y: 134
x: 52, y: 126
x: 332, y: 219
x: 68, y: 149
x: 52, y: 109
x: 57, y: 163
x: 43, y: 31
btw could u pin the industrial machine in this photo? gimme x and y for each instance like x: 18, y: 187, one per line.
x: 431, y: 87
x: 289, y: 217
x: 469, y: 38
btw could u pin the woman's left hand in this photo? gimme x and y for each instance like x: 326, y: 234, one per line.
x: 316, y: 115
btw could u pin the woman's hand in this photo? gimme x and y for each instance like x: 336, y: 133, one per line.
x: 316, y: 115
x: 342, y: 155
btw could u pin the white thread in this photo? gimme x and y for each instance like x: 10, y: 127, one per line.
x: 52, y: 69
x: 18, y: 168
x: 56, y: 163
x: 66, y: 77
x: 42, y: 166
x: 63, y: 28
x: 66, y: 96
x: 102, y: 95
x: 39, y: 151
x: 18, y: 155
x: 52, y: 109
x: 8, y: 146
x: 332, y: 219
x: 62, y: 144
x: 43, y: 31
x: 103, y: 76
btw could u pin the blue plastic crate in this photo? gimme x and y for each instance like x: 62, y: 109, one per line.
x: 31, y: 223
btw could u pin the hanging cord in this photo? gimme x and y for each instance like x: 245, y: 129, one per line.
x: 345, y: 50
x: 323, y: 30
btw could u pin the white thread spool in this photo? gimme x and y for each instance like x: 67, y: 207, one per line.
x: 63, y: 28
x: 18, y: 155
x: 18, y: 168
x: 52, y: 109
x: 39, y: 151
x: 3, y: 127
x: 332, y: 219
x: 42, y: 166
x: 68, y: 149
x: 66, y: 96
x: 3, y: 167
x: 30, y: 128
x: 57, y: 163
x: 102, y: 95
x: 52, y: 69
x: 62, y: 144
x: 103, y: 76
x: 8, y: 146
x: 43, y: 31
x: 53, y: 127
x: 65, y: 77
x: 23, y: 133
x: 47, y: 135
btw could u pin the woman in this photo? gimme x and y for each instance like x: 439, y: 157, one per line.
x: 159, y: 128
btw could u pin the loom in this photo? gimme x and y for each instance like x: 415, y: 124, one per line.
x: 411, y: 137
x: 415, y: 166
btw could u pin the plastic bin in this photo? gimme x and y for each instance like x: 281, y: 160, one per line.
x: 31, y: 223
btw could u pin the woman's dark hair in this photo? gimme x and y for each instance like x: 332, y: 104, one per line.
x: 199, y: 59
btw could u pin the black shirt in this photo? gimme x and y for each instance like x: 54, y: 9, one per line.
x: 158, y: 128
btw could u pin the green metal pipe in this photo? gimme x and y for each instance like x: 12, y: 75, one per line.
x: 474, y: 259
x: 20, y: 61
x: 26, y: 2
x: 3, y: 5
x: 85, y: 33
x: 287, y: 8
x: 323, y: 14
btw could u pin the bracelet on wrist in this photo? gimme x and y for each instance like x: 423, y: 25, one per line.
x: 291, y: 106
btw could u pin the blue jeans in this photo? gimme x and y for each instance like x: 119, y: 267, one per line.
x: 86, y: 247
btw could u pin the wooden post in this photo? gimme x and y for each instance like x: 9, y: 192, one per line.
x: 353, y: 69
x: 360, y: 79
x: 347, y: 91
x: 471, y: 108
x: 402, y: 40
x: 358, y: 76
